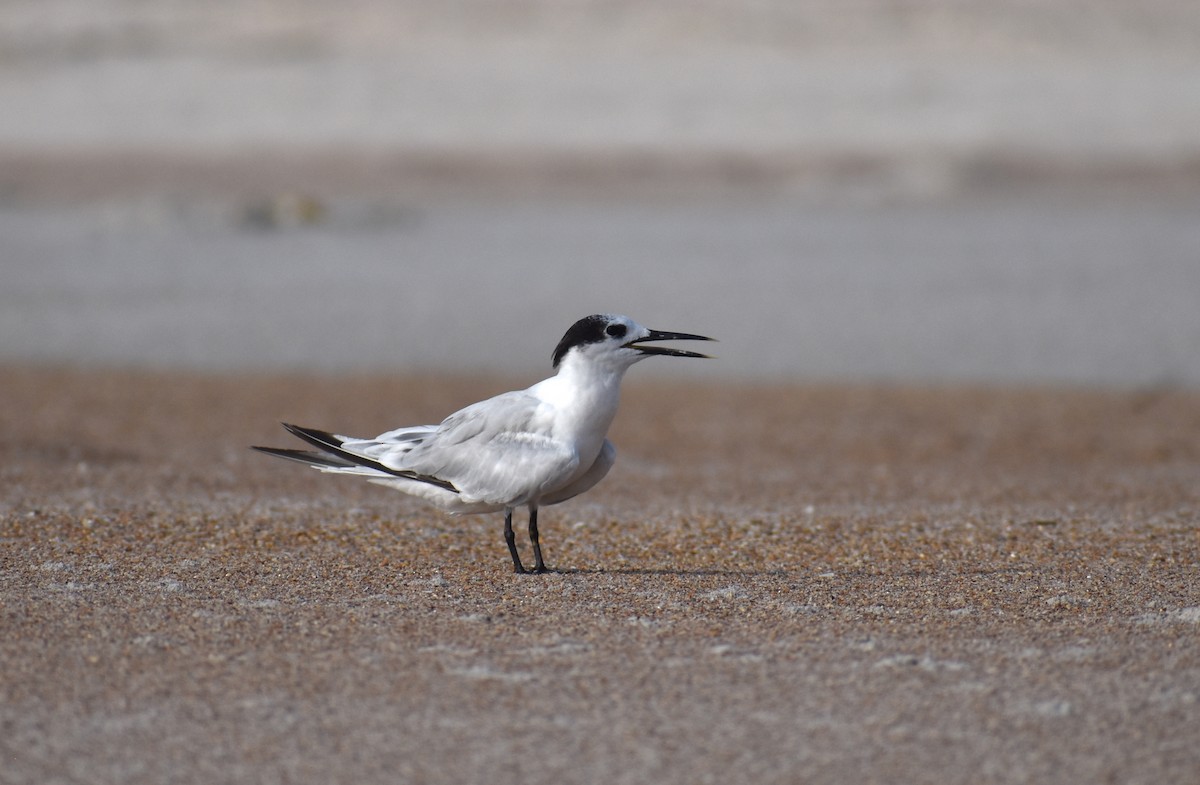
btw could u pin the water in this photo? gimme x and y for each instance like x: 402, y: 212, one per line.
x: 1020, y: 288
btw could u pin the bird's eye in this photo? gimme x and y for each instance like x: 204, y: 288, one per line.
x: 616, y: 330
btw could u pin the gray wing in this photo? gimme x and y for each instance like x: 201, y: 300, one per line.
x: 390, y: 447
x: 497, y: 451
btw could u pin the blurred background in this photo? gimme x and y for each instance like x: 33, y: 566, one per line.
x: 897, y: 190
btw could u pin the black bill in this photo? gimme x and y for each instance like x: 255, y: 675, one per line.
x: 658, y: 335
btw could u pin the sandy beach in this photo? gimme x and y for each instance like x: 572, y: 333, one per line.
x: 776, y: 584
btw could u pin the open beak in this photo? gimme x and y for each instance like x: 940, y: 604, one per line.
x: 657, y: 335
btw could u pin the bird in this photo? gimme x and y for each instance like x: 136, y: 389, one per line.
x: 527, y: 448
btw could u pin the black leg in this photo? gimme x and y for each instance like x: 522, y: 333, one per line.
x: 511, y: 539
x: 538, y: 564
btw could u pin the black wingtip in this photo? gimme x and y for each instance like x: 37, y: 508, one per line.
x: 314, y: 436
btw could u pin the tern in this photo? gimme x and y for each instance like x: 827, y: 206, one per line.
x: 529, y: 448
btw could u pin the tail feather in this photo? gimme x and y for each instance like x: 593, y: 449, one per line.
x: 321, y: 460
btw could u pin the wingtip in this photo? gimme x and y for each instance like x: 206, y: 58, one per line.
x: 316, y: 437
x: 298, y: 428
x: 301, y: 431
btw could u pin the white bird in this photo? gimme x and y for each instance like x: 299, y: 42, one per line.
x: 528, y: 448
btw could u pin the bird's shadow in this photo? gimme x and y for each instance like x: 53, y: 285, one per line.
x: 699, y: 572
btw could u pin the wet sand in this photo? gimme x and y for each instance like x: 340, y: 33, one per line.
x: 776, y: 584
x: 1086, y: 287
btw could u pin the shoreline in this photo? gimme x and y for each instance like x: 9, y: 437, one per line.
x: 47, y: 177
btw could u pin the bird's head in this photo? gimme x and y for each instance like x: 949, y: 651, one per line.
x: 617, y: 342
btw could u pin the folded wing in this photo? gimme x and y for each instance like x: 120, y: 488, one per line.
x: 494, y: 454
x: 497, y: 451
